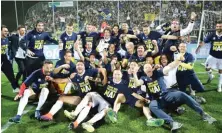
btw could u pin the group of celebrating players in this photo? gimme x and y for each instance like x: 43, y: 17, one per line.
x: 150, y: 70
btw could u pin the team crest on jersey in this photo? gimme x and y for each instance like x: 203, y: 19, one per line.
x: 34, y: 36
x: 78, y: 80
x: 39, y: 80
x: 65, y: 38
x: 214, y: 38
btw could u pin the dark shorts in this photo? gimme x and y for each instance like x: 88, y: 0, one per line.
x: 131, y: 100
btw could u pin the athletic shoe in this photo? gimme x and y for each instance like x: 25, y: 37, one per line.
x: 70, y: 115
x: 16, y: 90
x: 180, y: 110
x: 111, y: 116
x: 37, y: 114
x: 88, y: 126
x: 219, y: 90
x: 209, y: 80
x: 176, y: 126
x: 73, y: 125
x: 46, y: 117
x: 198, y: 99
x: 15, y: 119
x: 154, y: 122
x: 208, y: 118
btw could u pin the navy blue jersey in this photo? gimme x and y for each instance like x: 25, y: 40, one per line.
x: 64, y: 72
x: 68, y: 41
x: 36, y: 40
x: 216, y: 45
x: 84, y: 86
x: 4, y: 46
x: 109, y: 56
x: 140, y: 60
x: 93, y: 35
x: 128, y: 55
x: 111, y: 90
x: 183, y: 72
x: 86, y: 54
x: 147, y: 40
x: 37, y: 81
x: 152, y: 85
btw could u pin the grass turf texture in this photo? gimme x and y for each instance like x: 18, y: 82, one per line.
x: 130, y: 120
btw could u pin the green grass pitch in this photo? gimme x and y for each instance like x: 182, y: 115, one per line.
x: 130, y: 120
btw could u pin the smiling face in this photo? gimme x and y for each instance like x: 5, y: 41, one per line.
x: 164, y: 60
x: 4, y: 32
x: 80, y: 67
x: 219, y: 28
x: 40, y: 27
x: 48, y: 68
x: 68, y: 57
x: 140, y: 50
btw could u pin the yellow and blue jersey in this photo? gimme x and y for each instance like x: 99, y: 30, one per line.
x: 215, y: 45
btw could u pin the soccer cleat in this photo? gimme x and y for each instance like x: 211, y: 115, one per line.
x: 209, y: 80
x: 176, y: 126
x: 46, y: 117
x: 16, y: 90
x: 154, y: 122
x: 111, y: 116
x: 70, y: 115
x: 198, y: 99
x: 88, y: 126
x: 180, y: 110
x: 73, y: 125
x: 219, y: 90
x: 208, y: 118
x: 37, y: 114
x: 15, y: 119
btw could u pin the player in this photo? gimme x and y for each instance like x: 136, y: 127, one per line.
x: 6, y: 65
x: 214, y: 60
x: 67, y: 40
x: 36, y: 84
x: 81, y: 80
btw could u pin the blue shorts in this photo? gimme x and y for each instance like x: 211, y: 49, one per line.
x: 131, y: 100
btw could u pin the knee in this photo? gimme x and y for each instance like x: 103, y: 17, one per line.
x: 61, y: 98
x: 27, y: 92
x: 45, y: 91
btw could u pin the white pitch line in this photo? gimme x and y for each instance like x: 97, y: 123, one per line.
x: 8, y: 124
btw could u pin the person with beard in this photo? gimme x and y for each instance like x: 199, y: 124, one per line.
x: 82, y: 83
x: 173, y: 36
x: 17, y: 50
x: 35, y: 85
x: 35, y: 40
x: 6, y: 65
x: 214, y: 60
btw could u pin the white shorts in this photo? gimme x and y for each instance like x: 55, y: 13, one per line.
x: 97, y: 100
x: 213, y: 62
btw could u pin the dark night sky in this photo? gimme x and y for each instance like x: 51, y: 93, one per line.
x: 8, y: 12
